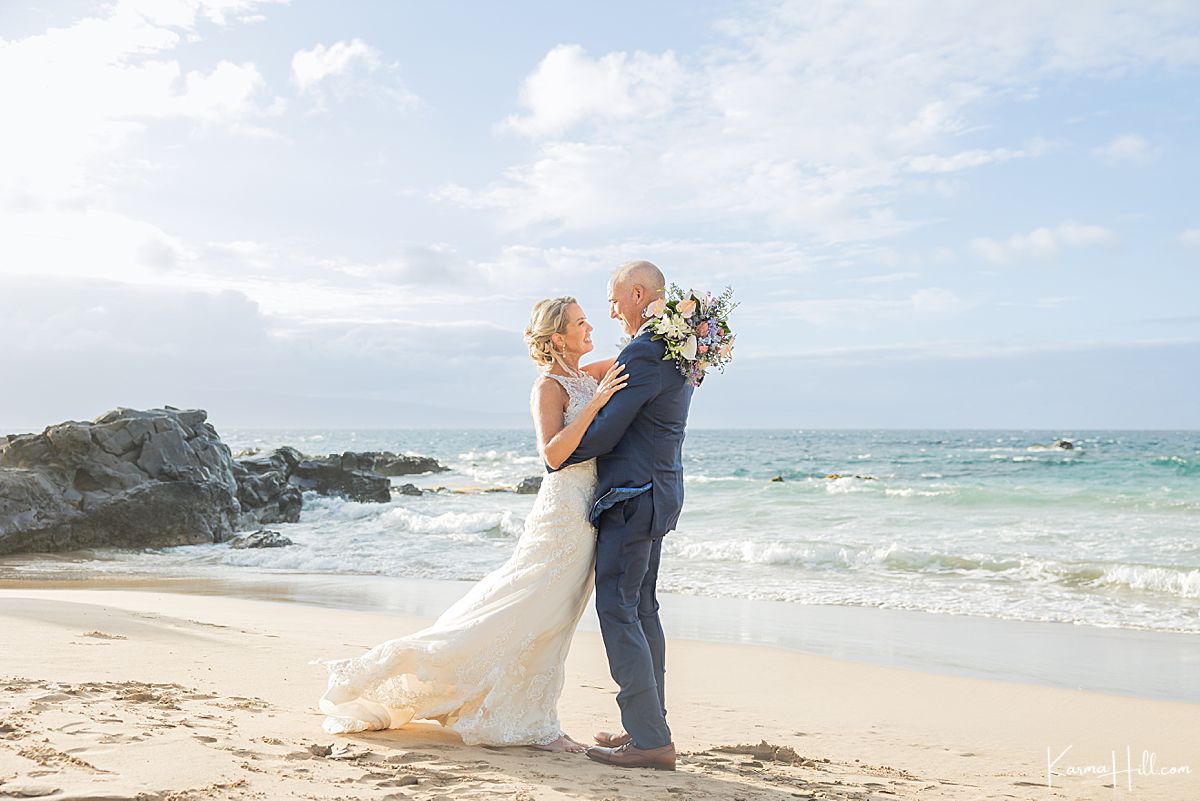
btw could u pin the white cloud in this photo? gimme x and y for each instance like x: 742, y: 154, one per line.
x: 120, y: 320
x: 936, y: 301
x: 869, y: 313
x: 529, y: 270
x: 227, y: 92
x: 344, y: 68
x: 310, y: 67
x: 884, y: 278
x: 103, y: 80
x: 184, y: 13
x: 1042, y: 243
x: 62, y: 244
x: 97, y: 344
x: 1076, y: 235
x: 569, y: 183
x: 85, y: 243
x: 1190, y: 236
x: 102, y: 84
x: 961, y: 349
x: 568, y: 87
x: 961, y: 161
x: 417, y: 266
x: 1125, y: 149
x: 810, y: 118
x: 1051, y: 302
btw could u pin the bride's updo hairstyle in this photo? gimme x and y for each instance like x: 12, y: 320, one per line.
x: 549, y: 317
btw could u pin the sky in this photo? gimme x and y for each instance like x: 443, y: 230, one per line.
x: 966, y: 215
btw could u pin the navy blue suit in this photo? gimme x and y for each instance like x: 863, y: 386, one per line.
x: 637, y: 441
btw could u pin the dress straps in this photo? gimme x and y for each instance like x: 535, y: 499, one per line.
x: 579, y: 389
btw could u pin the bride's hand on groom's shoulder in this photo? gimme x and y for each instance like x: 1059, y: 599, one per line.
x: 613, y: 381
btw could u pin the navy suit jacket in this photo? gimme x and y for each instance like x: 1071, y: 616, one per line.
x: 637, y: 438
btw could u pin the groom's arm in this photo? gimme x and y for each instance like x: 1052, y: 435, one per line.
x: 645, y: 379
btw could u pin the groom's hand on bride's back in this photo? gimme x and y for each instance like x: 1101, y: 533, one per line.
x: 619, y: 410
x: 612, y: 382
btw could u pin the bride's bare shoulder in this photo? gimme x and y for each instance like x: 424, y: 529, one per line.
x: 597, y: 369
x: 546, y: 389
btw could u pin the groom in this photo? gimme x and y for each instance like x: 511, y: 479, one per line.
x: 637, y: 440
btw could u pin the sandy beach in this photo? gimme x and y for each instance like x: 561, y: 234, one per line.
x: 149, y: 694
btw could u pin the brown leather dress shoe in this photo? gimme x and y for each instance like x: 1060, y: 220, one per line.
x: 627, y: 756
x: 610, y: 740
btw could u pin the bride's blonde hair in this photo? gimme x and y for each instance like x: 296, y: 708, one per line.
x: 549, y: 317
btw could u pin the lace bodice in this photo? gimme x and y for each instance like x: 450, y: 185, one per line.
x: 579, y: 391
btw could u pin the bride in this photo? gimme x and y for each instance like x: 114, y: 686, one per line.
x: 491, y: 667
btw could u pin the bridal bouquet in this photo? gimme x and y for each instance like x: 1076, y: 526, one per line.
x: 696, y: 329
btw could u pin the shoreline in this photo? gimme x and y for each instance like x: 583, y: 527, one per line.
x: 210, y: 697
x: 1121, y: 662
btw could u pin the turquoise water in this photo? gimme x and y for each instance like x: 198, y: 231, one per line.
x: 991, y: 523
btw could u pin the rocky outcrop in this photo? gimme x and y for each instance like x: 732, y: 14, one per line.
x: 339, y: 475
x: 129, y: 478
x: 529, y: 486
x: 264, y: 493
x: 265, y: 498
x: 357, y: 475
x: 1057, y: 445
x: 274, y: 481
x: 390, y: 464
x: 161, y: 477
x: 263, y: 538
x: 281, y: 460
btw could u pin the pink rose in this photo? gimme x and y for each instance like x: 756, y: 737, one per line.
x: 702, y: 349
x: 702, y: 329
x: 656, y: 308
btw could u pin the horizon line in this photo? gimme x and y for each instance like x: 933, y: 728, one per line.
x: 6, y: 429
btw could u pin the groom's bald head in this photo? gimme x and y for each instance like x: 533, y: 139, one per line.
x: 640, y: 273
x: 634, y: 286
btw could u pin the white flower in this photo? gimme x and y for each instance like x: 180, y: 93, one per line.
x: 671, y: 326
x: 689, y: 348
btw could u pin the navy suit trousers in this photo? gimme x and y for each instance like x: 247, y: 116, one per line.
x: 626, y: 577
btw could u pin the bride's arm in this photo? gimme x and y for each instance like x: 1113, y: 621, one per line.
x: 556, y: 442
x: 597, y: 369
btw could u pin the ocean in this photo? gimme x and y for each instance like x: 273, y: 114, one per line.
x: 999, y: 524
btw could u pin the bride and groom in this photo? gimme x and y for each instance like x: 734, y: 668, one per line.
x: 492, y: 666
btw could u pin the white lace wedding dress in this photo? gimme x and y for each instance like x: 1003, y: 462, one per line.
x: 491, y: 667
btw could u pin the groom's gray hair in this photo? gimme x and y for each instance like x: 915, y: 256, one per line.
x: 640, y: 272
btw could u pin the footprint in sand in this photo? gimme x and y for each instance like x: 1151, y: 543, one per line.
x: 103, y: 635
x: 28, y: 790
x: 49, y: 757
